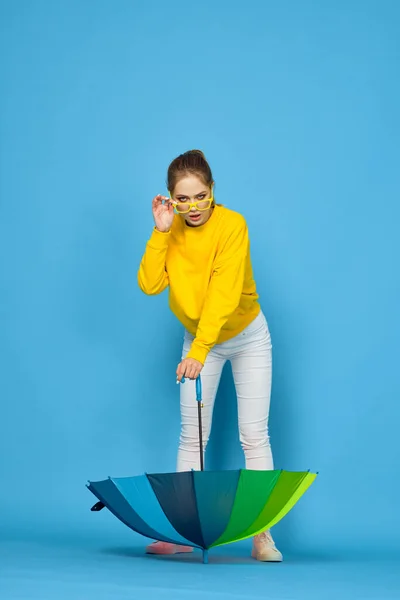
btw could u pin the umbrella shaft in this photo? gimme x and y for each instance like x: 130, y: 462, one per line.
x: 200, y: 437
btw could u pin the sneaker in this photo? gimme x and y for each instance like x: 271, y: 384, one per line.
x: 264, y: 548
x: 166, y: 548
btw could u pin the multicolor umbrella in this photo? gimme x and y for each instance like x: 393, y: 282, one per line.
x: 203, y: 509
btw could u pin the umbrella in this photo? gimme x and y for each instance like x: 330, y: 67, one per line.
x: 203, y: 509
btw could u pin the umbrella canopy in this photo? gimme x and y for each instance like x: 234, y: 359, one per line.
x: 204, y: 509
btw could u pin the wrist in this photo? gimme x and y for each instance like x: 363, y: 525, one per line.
x: 162, y: 230
x: 198, y: 352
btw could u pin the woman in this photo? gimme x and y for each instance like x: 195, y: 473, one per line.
x: 200, y: 250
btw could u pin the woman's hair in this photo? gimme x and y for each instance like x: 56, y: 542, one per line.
x: 192, y: 162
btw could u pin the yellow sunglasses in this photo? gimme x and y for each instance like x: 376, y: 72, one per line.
x: 185, y: 207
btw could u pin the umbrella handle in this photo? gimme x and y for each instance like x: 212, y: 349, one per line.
x: 199, y: 391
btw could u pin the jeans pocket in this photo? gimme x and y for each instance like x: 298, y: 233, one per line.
x: 256, y: 333
x: 259, y: 324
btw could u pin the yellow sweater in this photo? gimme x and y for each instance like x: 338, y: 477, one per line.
x: 208, y: 270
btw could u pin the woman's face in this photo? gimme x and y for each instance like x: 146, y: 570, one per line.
x: 192, y: 189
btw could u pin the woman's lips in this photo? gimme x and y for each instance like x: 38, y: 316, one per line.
x: 194, y: 217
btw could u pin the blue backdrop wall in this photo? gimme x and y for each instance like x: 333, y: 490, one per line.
x: 296, y: 106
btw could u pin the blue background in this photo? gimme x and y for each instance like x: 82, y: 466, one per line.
x: 296, y: 105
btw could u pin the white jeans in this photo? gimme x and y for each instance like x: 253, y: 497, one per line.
x: 250, y: 354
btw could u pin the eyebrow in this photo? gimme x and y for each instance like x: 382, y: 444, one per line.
x: 199, y: 194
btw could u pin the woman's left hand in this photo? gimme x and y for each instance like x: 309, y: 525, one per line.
x: 190, y: 368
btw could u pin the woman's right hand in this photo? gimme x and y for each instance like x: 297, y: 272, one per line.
x: 163, y: 213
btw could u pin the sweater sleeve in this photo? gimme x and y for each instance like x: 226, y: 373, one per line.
x: 224, y: 291
x: 152, y: 274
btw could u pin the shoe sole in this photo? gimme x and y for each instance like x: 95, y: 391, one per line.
x: 261, y: 559
x: 169, y: 553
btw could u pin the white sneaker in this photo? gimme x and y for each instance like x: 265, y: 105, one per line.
x: 264, y: 548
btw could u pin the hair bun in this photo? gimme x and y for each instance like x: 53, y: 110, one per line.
x: 198, y: 153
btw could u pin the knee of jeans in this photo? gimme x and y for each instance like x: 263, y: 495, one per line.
x: 254, y: 438
x: 189, y: 439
